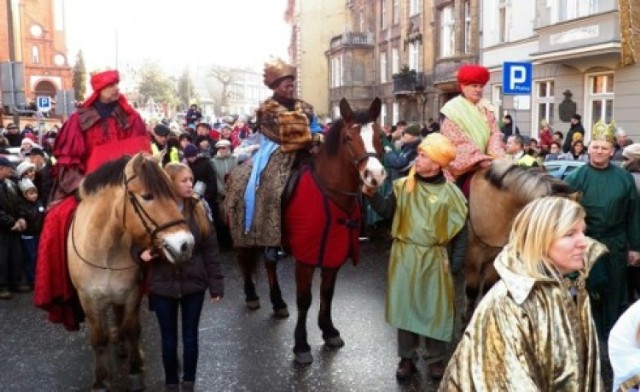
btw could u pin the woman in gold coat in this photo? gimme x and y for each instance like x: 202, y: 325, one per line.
x: 533, y: 331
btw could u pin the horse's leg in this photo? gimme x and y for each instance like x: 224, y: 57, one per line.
x: 130, y: 330
x: 116, y: 332
x: 271, y: 265
x: 304, y: 280
x: 472, y: 278
x: 99, y: 338
x: 330, y: 334
x: 247, y: 259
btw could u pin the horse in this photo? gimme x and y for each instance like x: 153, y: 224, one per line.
x: 347, y: 160
x: 128, y: 202
x: 497, y: 194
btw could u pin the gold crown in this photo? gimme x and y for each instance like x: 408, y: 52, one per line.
x: 603, y: 131
x: 276, y: 70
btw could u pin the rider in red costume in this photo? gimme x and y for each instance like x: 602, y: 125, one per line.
x: 104, y: 128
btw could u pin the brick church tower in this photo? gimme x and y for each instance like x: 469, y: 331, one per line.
x: 39, y: 42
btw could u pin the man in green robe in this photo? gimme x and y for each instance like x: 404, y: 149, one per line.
x: 429, y: 214
x: 610, y: 199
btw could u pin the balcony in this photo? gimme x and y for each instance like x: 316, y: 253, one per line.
x: 349, y: 39
x: 409, y: 82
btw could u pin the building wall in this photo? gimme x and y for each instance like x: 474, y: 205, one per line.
x: 316, y: 23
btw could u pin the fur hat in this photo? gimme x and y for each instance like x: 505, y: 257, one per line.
x: 23, y: 167
x: 25, y: 184
x: 277, y: 70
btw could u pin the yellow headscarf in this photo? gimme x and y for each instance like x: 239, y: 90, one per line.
x: 439, y: 149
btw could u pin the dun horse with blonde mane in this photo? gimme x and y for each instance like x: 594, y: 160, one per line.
x: 123, y: 203
x: 497, y: 195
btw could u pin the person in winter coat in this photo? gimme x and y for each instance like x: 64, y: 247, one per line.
x: 223, y: 162
x: 34, y: 216
x: 174, y: 288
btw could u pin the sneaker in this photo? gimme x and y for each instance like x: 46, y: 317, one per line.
x: 5, y: 293
x: 406, y: 369
x: 187, y: 386
x: 172, y: 388
x: 24, y: 288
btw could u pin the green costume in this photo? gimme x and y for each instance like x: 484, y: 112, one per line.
x: 420, y: 294
x: 610, y: 199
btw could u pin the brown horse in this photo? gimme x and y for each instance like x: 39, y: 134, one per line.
x: 347, y: 160
x: 127, y: 202
x: 497, y: 195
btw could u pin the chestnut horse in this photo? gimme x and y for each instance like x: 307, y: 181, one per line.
x: 497, y: 195
x: 322, y: 222
x: 127, y: 202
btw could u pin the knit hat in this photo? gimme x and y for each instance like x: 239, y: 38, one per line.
x: 25, y: 184
x: 472, y: 73
x: 413, y: 129
x: 161, y: 130
x: 439, y: 149
x: 37, y: 151
x: 190, y: 151
x: 223, y: 143
x: 23, y: 167
x: 4, y: 162
x: 632, y: 152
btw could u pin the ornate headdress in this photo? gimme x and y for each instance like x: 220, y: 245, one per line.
x: 603, y: 131
x: 276, y: 70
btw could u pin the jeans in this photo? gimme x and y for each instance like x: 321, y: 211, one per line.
x: 30, y: 252
x: 167, y: 313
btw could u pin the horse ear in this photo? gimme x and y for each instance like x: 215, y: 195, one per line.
x: 375, y: 108
x: 345, y: 110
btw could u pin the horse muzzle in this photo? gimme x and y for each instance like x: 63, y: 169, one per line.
x: 373, y: 177
x: 178, y: 246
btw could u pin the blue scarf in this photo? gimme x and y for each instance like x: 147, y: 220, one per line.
x: 260, y: 160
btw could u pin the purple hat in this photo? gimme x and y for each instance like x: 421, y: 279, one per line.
x: 190, y: 151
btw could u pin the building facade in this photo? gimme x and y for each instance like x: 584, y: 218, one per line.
x: 38, y: 31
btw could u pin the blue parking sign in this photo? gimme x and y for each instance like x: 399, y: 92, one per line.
x: 43, y: 103
x: 517, y: 78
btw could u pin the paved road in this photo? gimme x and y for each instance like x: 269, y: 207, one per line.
x: 240, y: 350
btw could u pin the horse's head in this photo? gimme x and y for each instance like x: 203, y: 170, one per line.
x: 151, y: 215
x: 362, y: 137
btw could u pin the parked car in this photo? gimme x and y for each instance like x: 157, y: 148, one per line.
x: 561, y: 169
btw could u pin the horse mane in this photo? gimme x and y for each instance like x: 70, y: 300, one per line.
x: 332, y: 138
x: 153, y: 178
x: 525, y: 183
x: 108, y: 175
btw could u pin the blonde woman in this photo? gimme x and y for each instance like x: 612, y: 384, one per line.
x: 624, y: 350
x: 533, y: 331
x: 174, y: 289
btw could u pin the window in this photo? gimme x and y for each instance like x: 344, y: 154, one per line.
x: 383, y: 67
x: 396, y: 12
x: 543, y: 104
x: 415, y: 50
x: 383, y: 114
x: 383, y: 14
x: 447, y: 32
x: 600, y: 97
x: 562, y: 10
x: 396, y: 113
x: 395, y: 61
x: 467, y: 26
x: 415, y: 7
x: 35, y: 55
x: 363, y: 23
x: 336, y: 71
x: 503, y: 15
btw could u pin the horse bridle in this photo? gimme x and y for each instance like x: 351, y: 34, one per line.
x: 356, y: 160
x: 144, y: 218
x: 142, y: 214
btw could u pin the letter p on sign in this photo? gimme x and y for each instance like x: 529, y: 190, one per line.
x: 517, y: 78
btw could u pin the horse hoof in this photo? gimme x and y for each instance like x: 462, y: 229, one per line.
x: 253, y: 304
x: 304, y: 358
x: 281, y: 313
x: 334, y: 342
x: 136, y: 382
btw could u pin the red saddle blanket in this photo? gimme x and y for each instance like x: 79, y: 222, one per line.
x: 318, y: 232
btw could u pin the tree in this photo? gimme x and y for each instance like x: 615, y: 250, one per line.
x: 79, y: 79
x: 156, y: 85
x: 186, y: 89
x: 225, y: 77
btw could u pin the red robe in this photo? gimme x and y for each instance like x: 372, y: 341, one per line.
x: 318, y: 232
x: 85, y: 142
